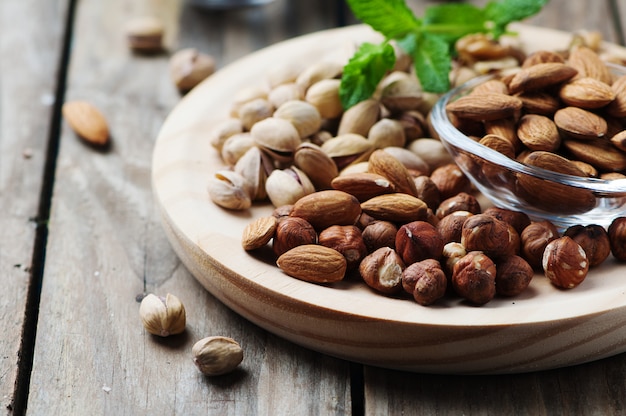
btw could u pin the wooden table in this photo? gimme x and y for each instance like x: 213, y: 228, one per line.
x: 81, y: 240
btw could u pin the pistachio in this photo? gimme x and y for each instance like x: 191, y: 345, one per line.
x: 162, y: 316
x: 223, y: 130
x: 360, y: 118
x: 145, y: 34
x: 320, y: 70
x: 347, y: 149
x: 285, y: 187
x: 324, y: 95
x: 254, y: 111
x: 402, y: 94
x: 304, y: 116
x: 245, y: 96
x: 285, y: 92
x: 254, y: 166
x: 387, y: 132
x: 316, y: 164
x: 188, y: 67
x: 216, y: 355
x: 228, y: 190
x: 276, y: 136
x: 235, y: 146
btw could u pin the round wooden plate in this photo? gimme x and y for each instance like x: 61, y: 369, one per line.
x: 543, y: 328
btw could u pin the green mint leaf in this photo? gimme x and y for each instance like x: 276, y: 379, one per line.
x: 364, y: 71
x: 453, y: 21
x: 503, y: 12
x: 432, y: 60
x: 392, y: 18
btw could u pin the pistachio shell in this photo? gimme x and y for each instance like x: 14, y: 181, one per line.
x: 324, y: 95
x: 359, y: 118
x: 304, y: 116
x: 277, y: 136
x: 409, y: 159
x: 320, y: 70
x: 347, y: 149
x: 387, y: 132
x: 285, y: 187
x: 223, y: 130
x: 285, y: 92
x: 236, y: 146
x: 246, y: 95
x: 316, y: 164
x: 253, y: 167
x: 254, y: 111
x: 403, y: 94
x: 228, y: 190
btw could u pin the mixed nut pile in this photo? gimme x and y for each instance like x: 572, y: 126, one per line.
x: 365, y: 192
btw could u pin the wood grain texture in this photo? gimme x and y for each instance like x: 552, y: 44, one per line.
x: 106, y: 247
x: 30, y: 34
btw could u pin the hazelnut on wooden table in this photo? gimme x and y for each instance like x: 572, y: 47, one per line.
x: 534, y: 240
x: 346, y: 239
x: 594, y: 239
x: 487, y: 234
x: 379, y: 234
x: 513, y: 275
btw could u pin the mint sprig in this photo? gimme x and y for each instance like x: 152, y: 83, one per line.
x: 429, y: 40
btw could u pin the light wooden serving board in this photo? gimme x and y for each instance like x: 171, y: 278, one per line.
x: 543, y: 328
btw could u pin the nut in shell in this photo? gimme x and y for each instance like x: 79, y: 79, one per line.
x: 189, y: 67
x: 162, y: 316
x: 145, y: 34
x: 217, y: 355
x: 286, y: 186
x: 304, y: 116
x: 228, y: 190
x: 276, y: 136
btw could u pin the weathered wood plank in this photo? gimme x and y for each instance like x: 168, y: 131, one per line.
x: 106, y: 246
x: 30, y: 44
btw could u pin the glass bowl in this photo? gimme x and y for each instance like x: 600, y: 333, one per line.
x: 564, y: 200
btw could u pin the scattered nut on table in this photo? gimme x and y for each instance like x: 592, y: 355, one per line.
x: 162, y: 316
x: 189, y: 67
x: 217, y: 355
x: 145, y: 34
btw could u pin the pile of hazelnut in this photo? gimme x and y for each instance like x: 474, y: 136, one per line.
x: 448, y: 246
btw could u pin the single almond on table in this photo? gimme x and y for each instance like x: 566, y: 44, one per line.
x: 87, y: 121
x: 258, y: 233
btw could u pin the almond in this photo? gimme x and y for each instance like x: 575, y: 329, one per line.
x: 396, y: 207
x: 538, y: 102
x: 363, y: 185
x: 313, y: 263
x: 485, y: 106
x: 325, y: 208
x: 540, y: 76
x: 588, y: 64
x: 384, y: 164
x: 599, y: 153
x: 581, y: 124
x: 86, y: 121
x: 587, y: 93
x: 552, y: 196
x: 258, y: 233
x: 538, y: 132
x: 618, y: 107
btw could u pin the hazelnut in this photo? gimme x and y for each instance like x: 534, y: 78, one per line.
x: 346, y: 239
x: 594, y: 239
x: 379, y: 234
x: 417, y: 241
x: 488, y: 234
x: 474, y: 278
x: 452, y: 253
x: 519, y: 220
x: 534, y: 240
x: 215, y: 356
x: 565, y: 263
x: 460, y: 202
x: 450, y: 180
x: 617, y: 237
x: 451, y: 225
x: 364, y: 220
x: 292, y: 232
x: 513, y: 275
x: 162, y: 316
x: 427, y: 191
x: 382, y: 270
x: 425, y: 280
